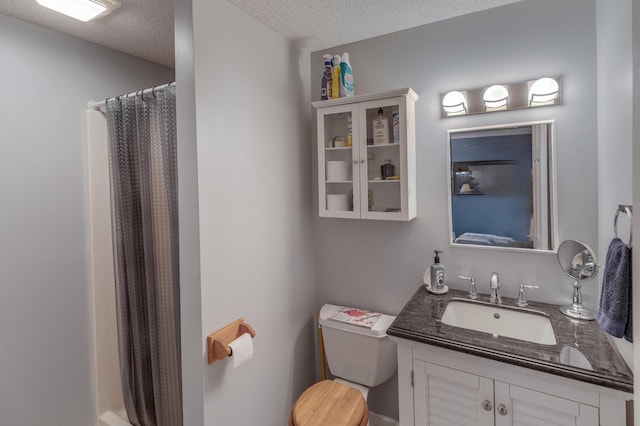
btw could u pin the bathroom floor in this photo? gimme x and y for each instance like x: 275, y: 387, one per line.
x: 379, y: 420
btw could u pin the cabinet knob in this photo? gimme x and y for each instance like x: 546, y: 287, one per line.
x: 355, y: 161
x: 502, y: 410
x: 361, y: 161
x: 486, y: 404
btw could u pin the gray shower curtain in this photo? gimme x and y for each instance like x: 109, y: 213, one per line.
x: 144, y: 190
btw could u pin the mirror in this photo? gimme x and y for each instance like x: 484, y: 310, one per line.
x: 501, y: 186
x: 577, y: 261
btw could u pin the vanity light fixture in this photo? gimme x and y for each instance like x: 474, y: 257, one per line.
x: 543, y: 91
x: 532, y: 93
x: 496, y: 98
x: 454, y: 103
x: 82, y: 10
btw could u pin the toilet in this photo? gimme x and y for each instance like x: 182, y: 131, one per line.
x: 359, y: 358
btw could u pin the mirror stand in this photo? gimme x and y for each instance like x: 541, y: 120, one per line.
x: 577, y: 309
x: 577, y: 261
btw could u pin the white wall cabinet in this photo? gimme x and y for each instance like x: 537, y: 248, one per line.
x: 443, y: 387
x: 350, y: 179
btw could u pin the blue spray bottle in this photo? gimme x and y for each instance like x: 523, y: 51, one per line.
x: 325, y: 90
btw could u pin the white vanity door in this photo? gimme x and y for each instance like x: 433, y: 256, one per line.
x: 523, y: 407
x: 446, y: 397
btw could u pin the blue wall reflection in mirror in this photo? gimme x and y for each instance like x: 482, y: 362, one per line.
x: 492, y: 190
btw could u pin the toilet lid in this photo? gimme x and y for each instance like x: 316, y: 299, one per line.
x: 330, y: 403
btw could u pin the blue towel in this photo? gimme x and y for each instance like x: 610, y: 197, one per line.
x: 628, y: 329
x: 614, y: 315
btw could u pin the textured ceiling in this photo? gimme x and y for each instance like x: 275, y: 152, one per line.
x: 319, y: 24
x: 144, y: 28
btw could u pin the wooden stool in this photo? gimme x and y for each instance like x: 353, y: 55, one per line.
x: 330, y: 403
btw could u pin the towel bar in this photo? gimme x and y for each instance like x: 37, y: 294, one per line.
x: 627, y: 209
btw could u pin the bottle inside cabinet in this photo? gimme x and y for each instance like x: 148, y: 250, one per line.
x: 380, y: 126
x: 387, y: 170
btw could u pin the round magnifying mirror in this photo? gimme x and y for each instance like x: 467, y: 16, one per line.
x: 578, y: 261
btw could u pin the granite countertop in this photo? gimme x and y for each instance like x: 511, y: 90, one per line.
x: 597, y: 362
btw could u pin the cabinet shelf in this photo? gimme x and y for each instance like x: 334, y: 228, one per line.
x: 350, y: 182
x: 384, y: 145
x: 340, y: 148
x: 384, y: 181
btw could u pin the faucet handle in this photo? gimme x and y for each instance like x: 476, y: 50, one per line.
x: 473, y: 292
x: 494, y: 281
x: 522, y: 297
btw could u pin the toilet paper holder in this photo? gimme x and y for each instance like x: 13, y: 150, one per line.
x: 218, y: 342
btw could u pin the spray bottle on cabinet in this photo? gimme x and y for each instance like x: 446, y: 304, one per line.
x: 325, y: 90
x: 335, y: 78
x: 346, y: 77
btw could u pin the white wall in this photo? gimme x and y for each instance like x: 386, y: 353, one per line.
x: 255, y: 212
x: 380, y: 265
x: 45, y: 321
x: 614, y: 126
x: 190, y: 300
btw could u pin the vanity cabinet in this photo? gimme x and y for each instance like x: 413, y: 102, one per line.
x: 351, y: 183
x: 454, y: 396
x: 438, y: 386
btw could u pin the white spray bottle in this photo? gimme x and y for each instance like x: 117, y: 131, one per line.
x: 346, y: 77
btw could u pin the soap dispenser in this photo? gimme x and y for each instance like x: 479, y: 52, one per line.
x: 437, y: 276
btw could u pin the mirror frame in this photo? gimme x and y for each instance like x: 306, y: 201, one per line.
x: 553, y: 200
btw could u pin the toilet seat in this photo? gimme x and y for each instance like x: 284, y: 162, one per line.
x: 330, y: 403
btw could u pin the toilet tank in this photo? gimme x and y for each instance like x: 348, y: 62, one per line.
x: 358, y: 354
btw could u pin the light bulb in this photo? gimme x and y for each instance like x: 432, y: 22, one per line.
x: 495, y: 97
x: 454, y: 103
x: 543, y: 91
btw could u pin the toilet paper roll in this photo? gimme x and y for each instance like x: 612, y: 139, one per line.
x: 241, y: 350
x: 337, y: 170
x: 337, y: 202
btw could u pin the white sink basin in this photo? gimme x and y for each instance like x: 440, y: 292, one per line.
x: 517, y: 323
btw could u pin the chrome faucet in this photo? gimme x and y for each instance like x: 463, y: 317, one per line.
x: 495, y: 289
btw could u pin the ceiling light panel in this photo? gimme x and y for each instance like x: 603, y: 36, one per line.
x: 82, y: 10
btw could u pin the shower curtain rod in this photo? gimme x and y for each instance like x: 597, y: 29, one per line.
x: 100, y: 105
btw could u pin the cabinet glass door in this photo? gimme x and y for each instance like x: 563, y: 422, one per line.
x: 384, y: 143
x: 338, y: 174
